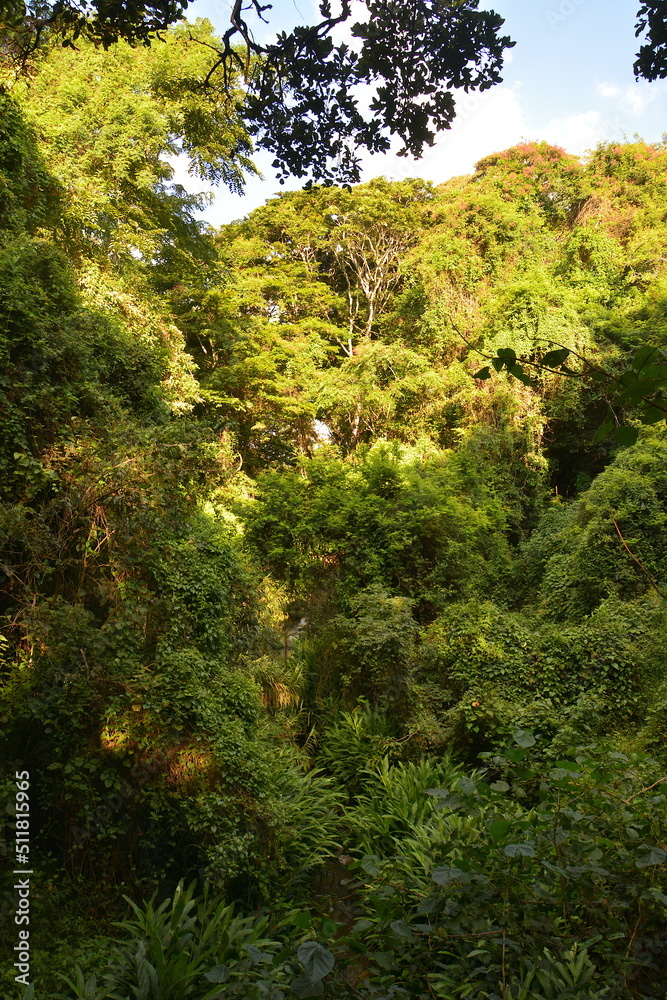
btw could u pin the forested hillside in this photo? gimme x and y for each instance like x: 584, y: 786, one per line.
x: 334, y: 559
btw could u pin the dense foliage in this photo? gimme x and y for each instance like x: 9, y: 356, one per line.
x: 337, y: 666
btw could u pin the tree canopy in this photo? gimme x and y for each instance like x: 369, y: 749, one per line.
x: 302, y: 99
x: 337, y: 669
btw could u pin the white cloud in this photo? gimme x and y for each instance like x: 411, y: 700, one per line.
x: 491, y: 122
x: 485, y: 123
x: 607, y: 89
x: 635, y: 98
x: 579, y: 133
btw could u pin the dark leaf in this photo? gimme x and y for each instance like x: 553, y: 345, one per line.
x: 304, y: 986
x: 498, y: 829
x: 370, y: 863
x: 518, y: 372
x: 218, y: 974
x: 316, y: 959
x: 643, y: 356
x: 255, y: 954
x: 626, y: 435
x: 554, y: 359
x: 656, y: 856
x: 519, y: 850
x: 652, y: 415
x: 603, y: 431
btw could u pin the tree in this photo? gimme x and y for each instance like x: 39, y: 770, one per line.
x: 302, y: 101
x: 652, y: 57
x: 110, y: 124
x: 373, y: 232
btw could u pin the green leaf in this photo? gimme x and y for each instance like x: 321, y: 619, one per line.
x: 554, y: 868
x: 498, y: 364
x: 467, y: 786
x: 655, y: 372
x: 656, y: 856
x: 400, y: 928
x: 626, y: 435
x: 554, y: 359
x: 499, y: 786
x: 304, y: 986
x: 498, y: 829
x: 560, y: 773
x: 518, y: 372
x: 384, y: 959
x: 444, y: 874
x: 642, y: 356
x: 370, y: 863
x: 652, y: 415
x: 361, y: 925
x: 519, y: 850
x: 506, y: 353
x: 603, y: 431
x: 302, y: 920
x: 524, y: 738
x: 316, y: 959
x: 255, y: 954
x: 218, y: 974
x: 483, y: 373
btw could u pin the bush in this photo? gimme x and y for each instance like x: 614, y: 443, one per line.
x: 530, y: 877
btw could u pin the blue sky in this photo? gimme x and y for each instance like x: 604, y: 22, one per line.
x: 568, y: 80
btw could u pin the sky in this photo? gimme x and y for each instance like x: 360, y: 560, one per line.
x: 568, y: 80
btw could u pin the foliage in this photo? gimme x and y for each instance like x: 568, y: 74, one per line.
x: 651, y: 58
x: 355, y: 741
x: 275, y: 563
x: 297, y: 81
x: 111, y: 123
x: 532, y: 879
x: 419, y: 527
x: 186, y: 947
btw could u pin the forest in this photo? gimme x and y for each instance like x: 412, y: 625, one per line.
x: 333, y: 559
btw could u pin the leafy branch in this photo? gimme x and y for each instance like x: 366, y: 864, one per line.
x: 640, y: 387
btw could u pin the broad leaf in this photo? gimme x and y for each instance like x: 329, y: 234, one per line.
x: 656, y: 856
x: 304, y: 986
x: 626, y: 435
x: 554, y: 359
x: 466, y: 785
x: 643, y: 356
x: 255, y: 954
x: 499, y: 786
x: 218, y: 974
x: 603, y: 431
x: 316, y: 959
x: 498, y: 829
x: 519, y: 851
